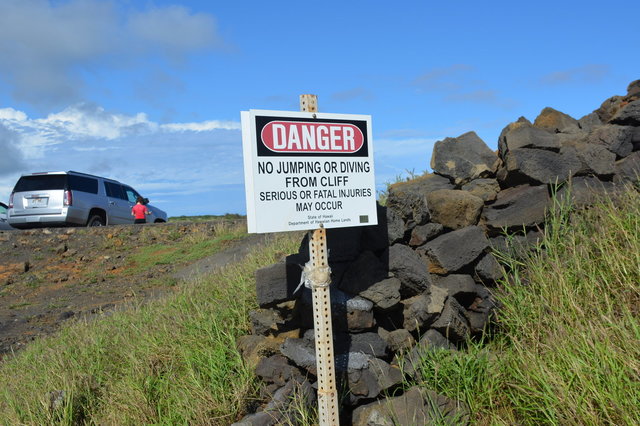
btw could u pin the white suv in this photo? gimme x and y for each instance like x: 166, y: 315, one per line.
x: 4, y: 226
x: 73, y: 198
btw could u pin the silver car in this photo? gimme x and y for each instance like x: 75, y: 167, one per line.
x: 4, y: 226
x: 73, y: 199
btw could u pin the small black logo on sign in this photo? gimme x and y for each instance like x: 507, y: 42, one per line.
x: 364, y: 219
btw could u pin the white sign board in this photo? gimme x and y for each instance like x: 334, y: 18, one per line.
x: 303, y: 169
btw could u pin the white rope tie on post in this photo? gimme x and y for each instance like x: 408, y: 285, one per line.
x: 316, y: 276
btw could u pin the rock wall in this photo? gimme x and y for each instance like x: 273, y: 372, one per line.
x: 421, y: 279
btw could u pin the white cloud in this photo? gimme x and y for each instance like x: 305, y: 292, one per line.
x: 164, y: 161
x: 92, y: 121
x: 590, y: 73
x: 10, y: 114
x: 457, y: 84
x: 201, y: 126
x: 87, y: 121
x: 45, y: 47
x: 481, y: 96
x: 93, y: 148
x: 443, y: 78
x: 353, y: 94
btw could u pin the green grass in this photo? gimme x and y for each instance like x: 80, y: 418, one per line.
x: 172, y: 361
x: 567, y: 347
x: 207, y: 218
x: 179, y: 253
x: 168, y: 245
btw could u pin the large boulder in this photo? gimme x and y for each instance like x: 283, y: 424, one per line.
x: 488, y: 270
x: 276, y: 369
x: 368, y: 343
x: 423, y: 233
x: 361, y: 274
x: 415, y: 407
x: 253, y: 348
x: 480, y: 314
x: 454, y: 251
x: 633, y: 89
x: 522, y: 134
x: 367, y: 376
x: 265, y: 321
x: 464, y: 158
x: 629, y: 115
x: 421, y: 310
x: 454, y: 209
x: 453, y: 322
x: 556, y: 122
x: 384, y: 294
x: 614, y: 104
x: 485, y: 189
x: 301, y: 352
x: 276, y: 283
x: 409, y: 268
x: 408, y: 198
x: 397, y: 340
x: 461, y: 287
x: 628, y: 169
x: 516, y: 245
x: 518, y: 207
x: 589, y: 122
x: 395, y: 226
x: 374, y: 377
x: 585, y: 191
x: 617, y: 139
x: 283, y: 409
x: 349, y: 313
x: 539, y: 166
x: 594, y: 158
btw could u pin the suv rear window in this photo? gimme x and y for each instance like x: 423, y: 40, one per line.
x: 51, y: 182
x: 40, y: 183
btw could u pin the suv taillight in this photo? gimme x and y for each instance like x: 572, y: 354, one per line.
x: 68, y: 198
x: 11, y: 201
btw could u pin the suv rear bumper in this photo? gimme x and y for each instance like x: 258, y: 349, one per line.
x: 66, y: 217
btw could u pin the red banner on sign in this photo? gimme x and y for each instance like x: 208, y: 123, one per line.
x: 317, y: 137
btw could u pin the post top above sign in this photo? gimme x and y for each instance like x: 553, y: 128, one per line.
x: 303, y: 169
x: 309, y: 103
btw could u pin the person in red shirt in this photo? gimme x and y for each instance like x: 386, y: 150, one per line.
x: 140, y: 211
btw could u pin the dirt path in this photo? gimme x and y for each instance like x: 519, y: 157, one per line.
x: 49, y: 276
x: 236, y: 252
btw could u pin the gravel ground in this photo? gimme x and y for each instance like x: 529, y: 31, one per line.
x: 52, y: 275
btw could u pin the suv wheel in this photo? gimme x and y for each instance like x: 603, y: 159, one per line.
x: 95, y: 220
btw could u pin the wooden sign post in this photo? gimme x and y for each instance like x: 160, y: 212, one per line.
x: 319, y: 276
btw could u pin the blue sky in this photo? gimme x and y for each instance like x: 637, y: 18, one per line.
x: 150, y: 92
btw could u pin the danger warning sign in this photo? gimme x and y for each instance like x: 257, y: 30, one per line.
x: 304, y: 169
